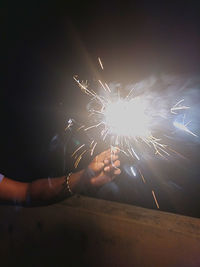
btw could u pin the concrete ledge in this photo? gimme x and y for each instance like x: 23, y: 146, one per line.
x: 84, y: 231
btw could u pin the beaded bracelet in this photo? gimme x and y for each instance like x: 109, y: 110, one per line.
x: 67, y: 183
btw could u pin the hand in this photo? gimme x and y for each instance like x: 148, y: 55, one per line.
x: 103, y: 168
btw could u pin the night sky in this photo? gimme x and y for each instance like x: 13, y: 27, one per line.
x: 44, y: 45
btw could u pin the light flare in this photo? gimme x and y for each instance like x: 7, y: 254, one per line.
x: 128, y: 122
x: 127, y: 118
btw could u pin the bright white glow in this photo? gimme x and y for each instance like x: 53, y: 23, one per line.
x: 131, y: 122
x: 127, y: 118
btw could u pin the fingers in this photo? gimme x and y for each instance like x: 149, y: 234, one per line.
x: 105, y: 159
x: 112, y: 163
x: 117, y: 172
x: 108, y: 153
x: 115, y: 150
x: 107, y: 174
x: 112, y: 167
x: 111, y: 159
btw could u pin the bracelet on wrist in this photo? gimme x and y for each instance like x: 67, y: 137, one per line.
x: 67, y: 186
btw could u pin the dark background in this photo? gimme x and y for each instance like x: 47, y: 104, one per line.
x: 43, y: 45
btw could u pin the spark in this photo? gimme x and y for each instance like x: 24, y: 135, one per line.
x: 142, y: 176
x: 102, y: 84
x: 177, y: 153
x: 100, y: 63
x: 155, y: 199
x: 93, y: 126
x: 91, y: 143
x: 133, y: 171
x: 70, y: 123
x: 77, y: 149
x: 107, y: 87
x: 130, y: 93
x: 93, y: 148
x: 81, y: 127
x: 79, y: 158
x: 177, y: 106
x: 184, y: 128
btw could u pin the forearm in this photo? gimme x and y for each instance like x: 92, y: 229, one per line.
x: 44, y: 191
x: 40, y: 192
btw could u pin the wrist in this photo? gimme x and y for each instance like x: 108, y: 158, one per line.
x: 86, y: 184
x: 75, y: 182
x: 80, y: 182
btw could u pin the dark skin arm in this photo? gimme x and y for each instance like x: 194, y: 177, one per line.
x: 44, y: 191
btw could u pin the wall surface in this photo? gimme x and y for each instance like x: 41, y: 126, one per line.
x: 83, y: 231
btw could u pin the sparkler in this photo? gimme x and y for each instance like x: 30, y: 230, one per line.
x: 128, y: 123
